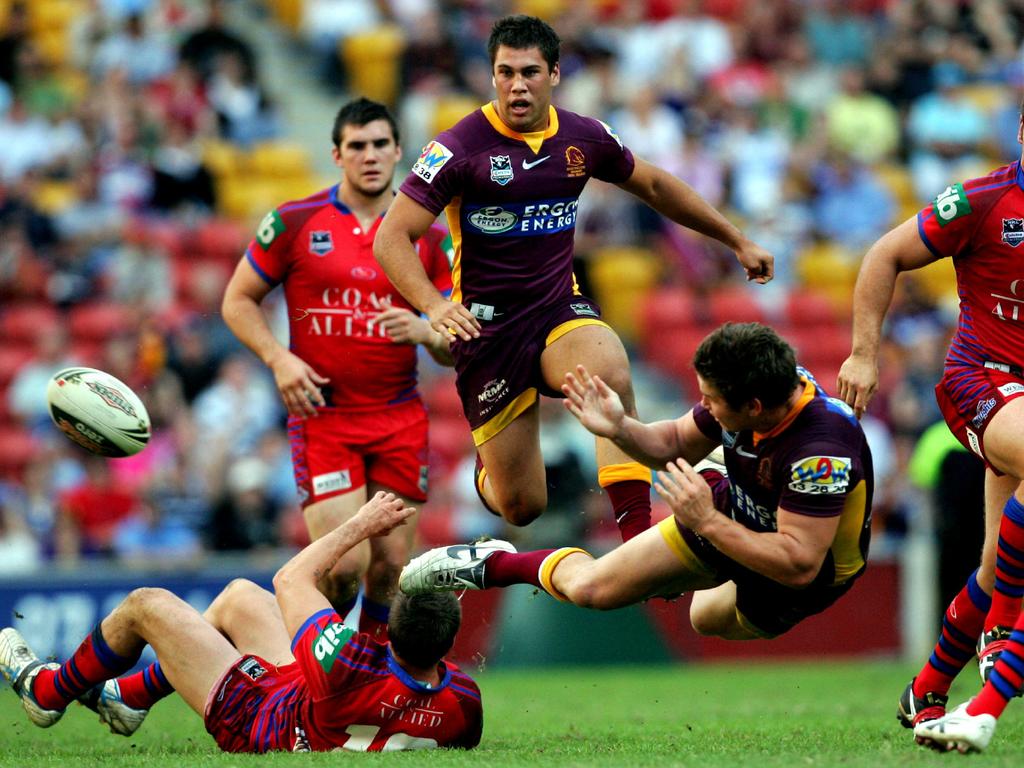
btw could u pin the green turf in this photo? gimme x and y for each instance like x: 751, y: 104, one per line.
x: 703, y: 716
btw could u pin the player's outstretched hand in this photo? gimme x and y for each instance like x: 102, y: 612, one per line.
x: 448, y: 317
x: 403, y: 326
x: 298, y: 384
x: 593, y: 402
x: 857, y: 382
x: 758, y: 263
x: 382, y: 514
x: 687, y: 493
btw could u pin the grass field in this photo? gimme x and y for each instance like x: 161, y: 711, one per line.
x: 703, y: 716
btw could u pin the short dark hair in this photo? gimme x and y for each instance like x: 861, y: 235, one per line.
x: 422, y: 628
x: 360, y: 112
x: 522, y: 32
x: 744, y: 361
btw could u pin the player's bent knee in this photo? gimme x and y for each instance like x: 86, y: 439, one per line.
x: 595, y: 592
x: 521, y: 509
x: 148, y: 600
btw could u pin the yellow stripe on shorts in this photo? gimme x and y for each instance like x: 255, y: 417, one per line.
x: 670, y: 533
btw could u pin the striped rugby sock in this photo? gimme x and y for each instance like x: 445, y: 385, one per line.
x: 144, y: 689
x: 92, y: 663
x: 1009, y: 588
x: 961, y: 626
x: 1006, y: 679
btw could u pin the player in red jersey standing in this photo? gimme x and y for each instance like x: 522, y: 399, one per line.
x: 356, y: 421
x: 509, y: 176
x: 270, y: 675
x: 980, y: 225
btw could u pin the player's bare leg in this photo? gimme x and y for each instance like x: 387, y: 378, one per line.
x: 713, y: 614
x: 249, y: 617
x: 341, y: 585
x: 600, y: 351
x: 515, y: 483
x: 388, y: 555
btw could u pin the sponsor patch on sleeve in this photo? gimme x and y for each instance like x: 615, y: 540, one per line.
x: 951, y: 204
x: 329, y: 643
x: 820, y: 475
x: 611, y: 132
x: 270, y: 227
x: 431, y: 160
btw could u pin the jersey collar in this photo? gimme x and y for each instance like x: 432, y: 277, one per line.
x: 1020, y: 175
x: 534, y: 139
x: 336, y: 201
x: 416, y: 685
x: 805, y: 397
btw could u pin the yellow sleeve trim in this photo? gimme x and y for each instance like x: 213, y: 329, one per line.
x: 547, y: 570
x: 617, y: 473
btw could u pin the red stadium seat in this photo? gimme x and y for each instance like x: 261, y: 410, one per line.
x: 21, y: 322
x: 442, y: 399
x: 17, y: 448
x: 807, y: 308
x: 220, y: 239
x: 99, y: 321
x: 12, y: 358
x: 730, y: 305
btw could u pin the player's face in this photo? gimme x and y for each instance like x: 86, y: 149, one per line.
x: 524, y: 84
x: 731, y: 419
x: 367, y: 157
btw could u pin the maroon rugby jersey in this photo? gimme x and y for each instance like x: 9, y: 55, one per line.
x: 511, y: 200
x: 980, y: 225
x: 352, y: 694
x: 815, y: 462
x: 335, y: 290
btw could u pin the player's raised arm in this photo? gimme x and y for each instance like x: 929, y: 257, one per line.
x: 296, y: 380
x: 600, y: 410
x: 295, y: 584
x: 899, y: 250
x: 677, y: 200
x: 404, y: 224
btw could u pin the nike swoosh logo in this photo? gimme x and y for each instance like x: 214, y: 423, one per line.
x: 527, y: 166
x: 741, y: 452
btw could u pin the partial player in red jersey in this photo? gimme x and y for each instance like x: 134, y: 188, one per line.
x: 271, y: 674
x: 356, y: 422
x: 979, y: 225
x: 509, y: 176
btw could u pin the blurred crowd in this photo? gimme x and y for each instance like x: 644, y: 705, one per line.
x: 139, y: 144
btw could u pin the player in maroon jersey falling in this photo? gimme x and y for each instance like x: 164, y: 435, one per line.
x: 270, y: 675
x: 980, y: 225
x: 509, y: 176
x: 778, y: 537
x: 356, y: 422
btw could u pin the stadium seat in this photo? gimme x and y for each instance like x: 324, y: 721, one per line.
x: 372, y: 60
x: 12, y: 358
x: 20, y: 322
x: 17, y: 448
x: 450, y: 441
x: 664, y: 309
x: 98, y: 321
x: 809, y: 308
x: 621, y: 277
x: 442, y: 399
x: 278, y: 158
x: 449, y: 110
x: 220, y: 239
x: 734, y: 305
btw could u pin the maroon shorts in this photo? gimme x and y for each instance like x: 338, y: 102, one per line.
x: 336, y: 452
x: 499, y: 377
x: 970, y: 395
x: 236, y: 702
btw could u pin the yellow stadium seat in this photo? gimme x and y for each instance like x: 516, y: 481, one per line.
x: 987, y: 97
x: 372, y: 60
x: 939, y: 280
x: 898, y: 181
x: 621, y: 277
x: 54, y: 196
x: 545, y: 9
x: 278, y: 158
x: 449, y: 110
x: 222, y: 158
x: 53, y: 45
x: 831, y: 270
x: 288, y: 13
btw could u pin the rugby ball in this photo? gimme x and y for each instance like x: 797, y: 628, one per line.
x: 98, y: 412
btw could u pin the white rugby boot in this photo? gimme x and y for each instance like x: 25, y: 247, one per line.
x: 450, y: 569
x: 957, y: 730
x: 105, y: 700
x: 19, y: 666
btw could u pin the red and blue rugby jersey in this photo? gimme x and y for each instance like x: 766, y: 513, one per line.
x: 980, y: 225
x: 335, y: 290
x: 510, y: 201
x: 354, y: 695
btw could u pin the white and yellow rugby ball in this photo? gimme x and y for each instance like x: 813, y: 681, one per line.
x: 98, y: 411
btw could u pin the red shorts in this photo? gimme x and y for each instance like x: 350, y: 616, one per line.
x: 236, y: 701
x: 336, y: 452
x: 969, y: 396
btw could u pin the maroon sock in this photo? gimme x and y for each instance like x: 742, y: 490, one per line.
x: 503, y: 569
x: 92, y: 663
x: 631, y: 504
x: 144, y: 689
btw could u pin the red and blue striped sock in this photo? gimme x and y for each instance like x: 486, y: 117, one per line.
x: 92, y: 663
x: 373, y: 619
x: 1009, y: 588
x: 144, y: 689
x: 1006, y: 679
x: 961, y: 626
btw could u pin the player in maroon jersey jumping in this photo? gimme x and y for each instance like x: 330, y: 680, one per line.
x: 980, y: 225
x: 509, y: 176
x: 779, y: 537
x: 356, y: 422
x: 268, y: 674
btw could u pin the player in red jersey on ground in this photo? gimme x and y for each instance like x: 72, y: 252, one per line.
x: 356, y: 421
x: 270, y: 675
x: 980, y: 225
x: 509, y: 176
